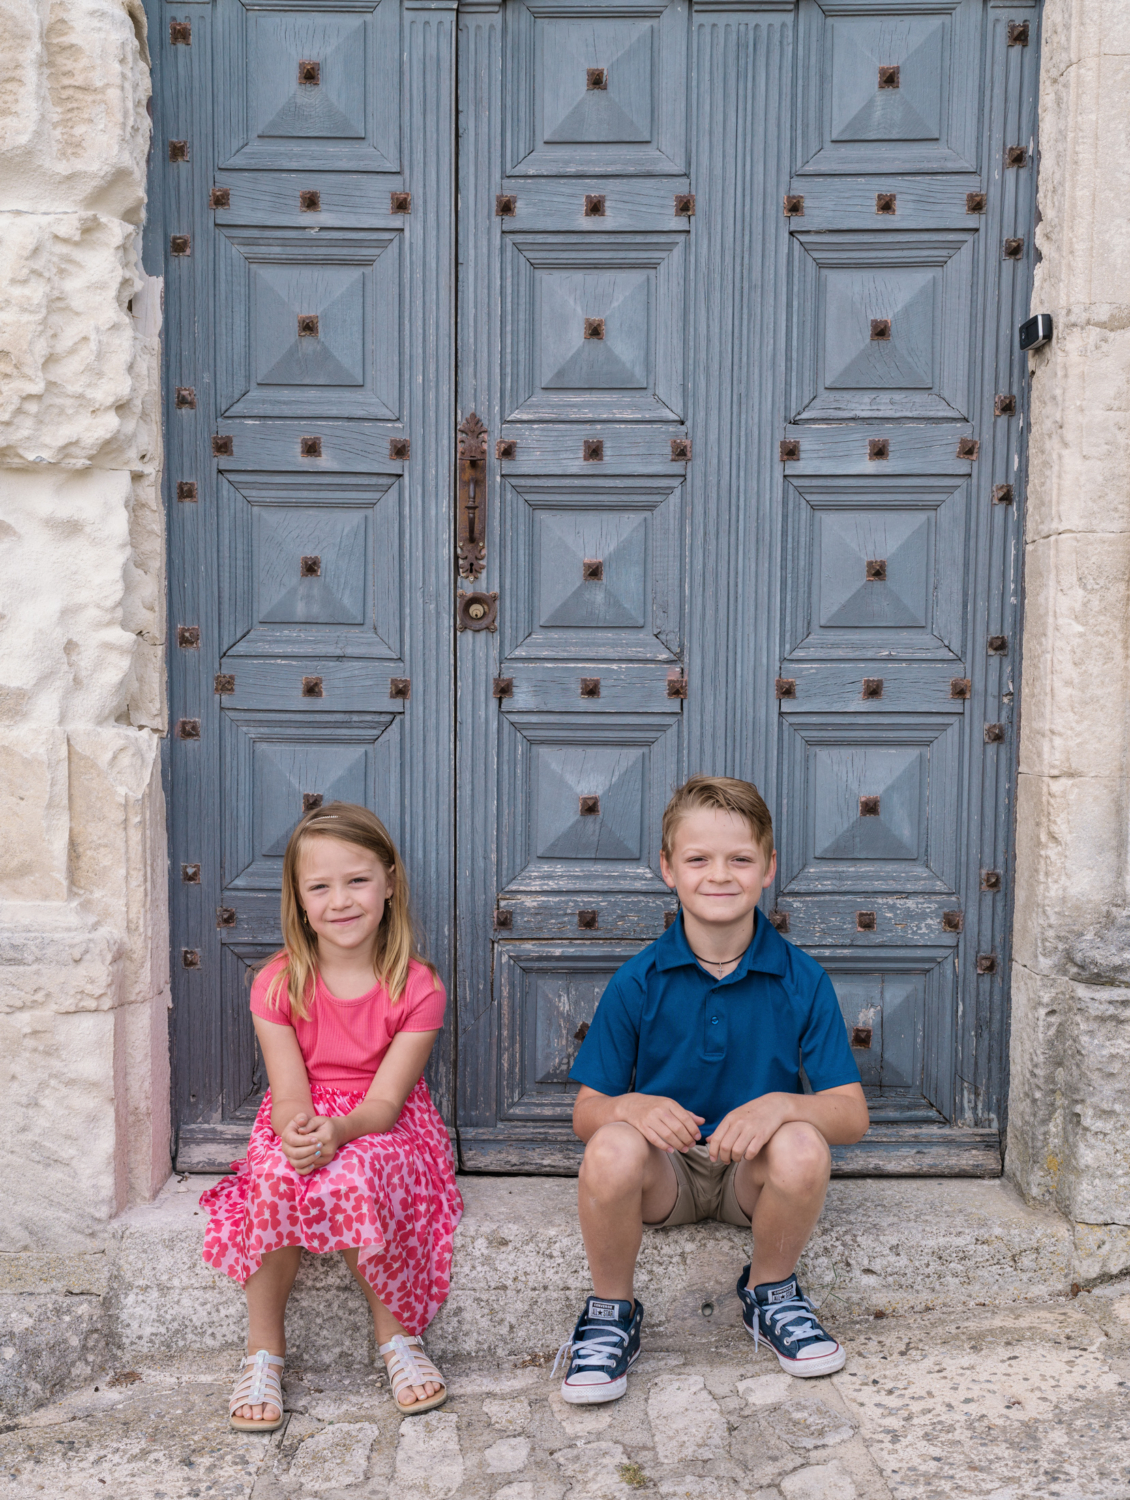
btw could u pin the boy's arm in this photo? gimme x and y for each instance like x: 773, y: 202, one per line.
x: 839, y: 1114
x: 663, y: 1122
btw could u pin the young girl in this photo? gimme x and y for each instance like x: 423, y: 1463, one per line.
x: 347, y: 1151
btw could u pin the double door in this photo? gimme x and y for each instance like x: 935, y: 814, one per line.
x: 564, y: 397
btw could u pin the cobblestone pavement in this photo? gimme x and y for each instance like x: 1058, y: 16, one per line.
x: 994, y: 1404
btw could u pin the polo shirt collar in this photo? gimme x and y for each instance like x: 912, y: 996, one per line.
x: 766, y: 953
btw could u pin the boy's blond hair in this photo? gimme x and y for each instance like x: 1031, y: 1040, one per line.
x: 727, y: 794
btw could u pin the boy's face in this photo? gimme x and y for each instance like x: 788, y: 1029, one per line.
x: 717, y: 866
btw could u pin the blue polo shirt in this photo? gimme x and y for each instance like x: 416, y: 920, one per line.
x: 713, y: 1044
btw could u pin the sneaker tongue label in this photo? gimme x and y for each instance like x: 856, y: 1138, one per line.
x: 781, y: 1293
x: 608, y: 1312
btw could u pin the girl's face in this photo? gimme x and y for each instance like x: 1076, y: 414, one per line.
x: 342, y: 888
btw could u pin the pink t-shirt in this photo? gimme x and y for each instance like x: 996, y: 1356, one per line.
x: 343, y: 1042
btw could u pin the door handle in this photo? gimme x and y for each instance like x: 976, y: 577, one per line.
x: 472, y: 544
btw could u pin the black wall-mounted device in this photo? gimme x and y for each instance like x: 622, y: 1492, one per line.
x: 1036, y: 332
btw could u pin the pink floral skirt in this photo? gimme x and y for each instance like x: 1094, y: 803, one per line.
x: 392, y: 1196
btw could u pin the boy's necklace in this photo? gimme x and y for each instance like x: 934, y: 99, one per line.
x: 718, y: 963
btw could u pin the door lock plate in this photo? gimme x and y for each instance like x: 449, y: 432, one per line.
x: 477, y: 611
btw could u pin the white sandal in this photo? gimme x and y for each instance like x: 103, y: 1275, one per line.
x: 411, y: 1366
x: 257, y: 1384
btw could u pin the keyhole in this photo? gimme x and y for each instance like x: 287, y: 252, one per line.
x: 476, y: 611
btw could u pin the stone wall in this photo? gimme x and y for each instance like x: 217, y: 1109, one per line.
x: 1069, y: 1103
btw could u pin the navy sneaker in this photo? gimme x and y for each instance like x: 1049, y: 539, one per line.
x: 780, y: 1313
x: 604, y: 1347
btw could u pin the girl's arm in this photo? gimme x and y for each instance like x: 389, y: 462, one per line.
x: 292, y: 1108
x: 380, y: 1109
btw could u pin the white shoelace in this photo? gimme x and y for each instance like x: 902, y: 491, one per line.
x: 795, y: 1317
x: 599, y: 1353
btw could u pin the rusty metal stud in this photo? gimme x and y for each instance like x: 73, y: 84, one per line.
x: 309, y: 73
x: 785, y: 687
x: 861, y: 1037
x: 594, y: 205
x: 865, y: 921
x: 502, y: 918
x: 990, y: 880
x: 872, y: 687
x: 878, y: 448
x: 986, y: 963
x: 312, y: 687
x: 310, y: 566
x: 307, y: 325
x: 590, y: 687
x: 590, y: 807
x: 684, y: 205
x: 869, y: 807
x: 185, y: 399
x: 880, y: 329
x: 223, y: 445
x: 503, y: 687
x: 1002, y: 494
x: 188, y: 637
x: 219, y: 198
x: 594, y: 328
x: 589, y: 920
x: 960, y: 687
x: 593, y: 450
x: 952, y: 921
x: 789, y: 450
x: 794, y: 205
x: 779, y: 920
x: 1004, y: 406
x: 310, y: 201
x: 400, y: 448
x: 976, y: 203
x: 1013, y: 249
x: 225, y: 916
x: 178, y: 150
x: 680, y: 450
x: 889, y: 76
x: 1015, y: 156
x: 998, y: 645
x: 506, y: 448
x: 968, y: 447
x: 505, y: 205
x: 676, y: 683
x: 596, y: 78
x: 190, y: 874
x: 186, y: 489
x: 994, y: 734
x: 400, y: 203
x: 1018, y: 33
x: 669, y: 919
x: 875, y: 570
x: 224, y: 683
x: 180, y: 33
x: 190, y: 958
x: 188, y: 729
x: 592, y: 569
x: 311, y: 801
x: 309, y: 447
x: 180, y: 244
x: 400, y: 687
x: 885, y: 203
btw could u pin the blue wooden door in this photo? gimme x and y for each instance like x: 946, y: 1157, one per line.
x: 739, y: 283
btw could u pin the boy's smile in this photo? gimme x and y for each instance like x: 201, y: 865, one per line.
x: 718, y: 869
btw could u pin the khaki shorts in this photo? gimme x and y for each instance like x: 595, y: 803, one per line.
x: 706, y: 1190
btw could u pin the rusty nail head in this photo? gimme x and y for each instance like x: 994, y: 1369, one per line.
x: 590, y: 807
x: 872, y: 687
x: 582, y: 1031
x: 190, y: 958
x: 1018, y: 33
x: 1004, y: 406
x: 188, y: 636
x: 960, y: 687
x: 1016, y: 156
x: 865, y: 921
x: 1013, y: 249
x: 885, y: 203
x: 794, y: 205
x: 310, y: 447
x: 309, y: 72
x: 594, y: 205
x: 310, y: 566
x: 786, y: 687
x: 506, y: 448
x: 503, y: 918
x: 878, y: 448
x: 219, y: 198
x: 180, y: 33
x: 889, y: 76
x: 225, y: 916
x: 861, y: 1037
x: 986, y: 963
x: 594, y: 328
x: 990, y: 880
x: 594, y: 449
x: 680, y: 450
x: 590, y: 687
x: 869, y: 807
x: 505, y: 205
x: 400, y: 203
x: 596, y: 78
x: 188, y: 729
x: 976, y: 203
x: 190, y: 874
x: 676, y: 683
x: 311, y: 801
x: 312, y: 687
x: 880, y: 328
x: 952, y: 921
x: 310, y: 201
x: 225, y: 682
x: 400, y: 687
x: 669, y: 919
x: 186, y: 398
x: 186, y: 489
x: 222, y: 445
x: 994, y: 734
x: 399, y: 447
x: 503, y: 687
x: 178, y: 150
x: 789, y: 450
x: 684, y: 205
x: 998, y: 645
x: 875, y: 570
x: 968, y: 447
x: 307, y: 325
x: 592, y: 569
x: 1002, y: 494
x: 588, y: 920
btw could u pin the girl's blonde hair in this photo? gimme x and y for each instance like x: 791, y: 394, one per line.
x: 395, y: 946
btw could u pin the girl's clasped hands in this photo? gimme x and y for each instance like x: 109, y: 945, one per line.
x: 308, y: 1142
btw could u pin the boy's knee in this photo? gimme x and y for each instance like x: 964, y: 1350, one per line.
x: 615, y: 1158
x: 799, y: 1157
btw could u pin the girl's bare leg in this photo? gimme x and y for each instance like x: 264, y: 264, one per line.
x: 385, y: 1326
x: 267, y: 1293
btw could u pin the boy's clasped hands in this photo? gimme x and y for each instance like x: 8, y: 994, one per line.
x: 739, y: 1134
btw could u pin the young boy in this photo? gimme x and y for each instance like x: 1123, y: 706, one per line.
x: 714, y: 1020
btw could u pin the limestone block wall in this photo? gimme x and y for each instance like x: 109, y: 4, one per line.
x: 1069, y: 1104
x: 83, y: 928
